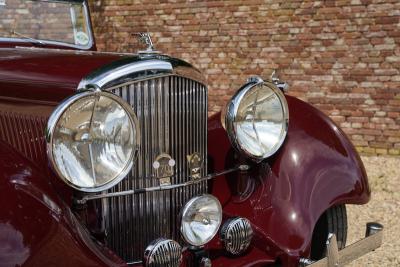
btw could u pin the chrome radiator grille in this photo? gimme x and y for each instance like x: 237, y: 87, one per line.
x: 172, y: 113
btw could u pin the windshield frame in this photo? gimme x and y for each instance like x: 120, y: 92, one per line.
x: 89, y: 46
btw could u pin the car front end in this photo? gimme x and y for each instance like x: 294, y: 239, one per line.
x: 120, y: 150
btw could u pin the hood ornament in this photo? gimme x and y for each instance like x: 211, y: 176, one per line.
x: 145, y: 38
x: 284, y: 86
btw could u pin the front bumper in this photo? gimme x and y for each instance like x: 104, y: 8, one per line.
x: 373, y: 240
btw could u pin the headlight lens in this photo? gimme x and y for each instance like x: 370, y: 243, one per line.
x: 201, y: 218
x: 92, y: 140
x: 257, y: 119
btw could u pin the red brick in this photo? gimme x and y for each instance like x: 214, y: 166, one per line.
x: 387, y: 20
x: 342, y: 56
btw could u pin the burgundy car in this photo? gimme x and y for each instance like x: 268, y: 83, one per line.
x: 110, y: 159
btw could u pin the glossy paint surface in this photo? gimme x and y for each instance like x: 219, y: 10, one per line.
x: 46, y: 74
x: 316, y: 168
x: 283, y: 197
x: 36, y: 228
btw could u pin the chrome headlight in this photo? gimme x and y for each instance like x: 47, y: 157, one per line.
x: 92, y: 139
x: 257, y: 119
x: 201, y: 218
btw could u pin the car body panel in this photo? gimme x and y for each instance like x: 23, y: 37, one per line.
x: 316, y: 168
x: 36, y: 227
x: 46, y: 74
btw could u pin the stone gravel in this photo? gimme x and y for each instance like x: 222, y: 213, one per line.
x: 384, y: 207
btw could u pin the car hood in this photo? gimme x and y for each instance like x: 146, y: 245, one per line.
x: 47, y: 74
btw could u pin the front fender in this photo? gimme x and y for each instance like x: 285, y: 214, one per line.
x: 316, y: 168
x: 36, y: 227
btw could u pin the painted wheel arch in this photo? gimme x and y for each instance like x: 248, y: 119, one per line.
x: 36, y: 227
x: 316, y: 168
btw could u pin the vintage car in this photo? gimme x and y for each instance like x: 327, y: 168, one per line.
x: 110, y: 159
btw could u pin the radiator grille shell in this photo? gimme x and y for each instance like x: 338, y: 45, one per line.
x: 172, y: 113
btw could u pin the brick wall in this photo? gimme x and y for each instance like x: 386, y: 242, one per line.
x: 342, y: 56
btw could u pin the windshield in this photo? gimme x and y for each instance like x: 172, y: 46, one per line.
x: 42, y: 22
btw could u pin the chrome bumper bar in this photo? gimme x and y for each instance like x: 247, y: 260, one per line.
x: 335, y: 258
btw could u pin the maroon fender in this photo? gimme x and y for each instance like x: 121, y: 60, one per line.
x: 316, y: 168
x: 36, y: 227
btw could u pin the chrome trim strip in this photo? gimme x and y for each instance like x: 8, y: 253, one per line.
x: 134, y: 262
x: 136, y: 68
x: 160, y: 188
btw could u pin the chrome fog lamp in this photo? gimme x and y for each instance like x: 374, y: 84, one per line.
x: 236, y: 234
x: 257, y: 119
x: 92, y: 139
x: 201, y: 218
x: 163, y: 252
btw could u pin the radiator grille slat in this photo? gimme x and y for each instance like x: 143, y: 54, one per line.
x: 172, y: 113
x: 25, y: 133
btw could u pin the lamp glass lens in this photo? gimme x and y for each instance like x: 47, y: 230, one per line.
x: 93, y: 141
x: 201, y: 219
x: 260, y: 124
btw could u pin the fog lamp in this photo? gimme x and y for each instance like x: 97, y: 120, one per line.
x: 236, y: 234
x: 163, y: 252
x: 257, y: 118
x: 201, y: 218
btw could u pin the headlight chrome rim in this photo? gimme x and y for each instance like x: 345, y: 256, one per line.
x: 57, y: 114
x: 185, y: 210
x: 232, y: 111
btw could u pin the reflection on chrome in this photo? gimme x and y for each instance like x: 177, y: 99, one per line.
x: 93, y: 140
x: 201, y: 218
x: 257, y: 119
x: 236, y: 234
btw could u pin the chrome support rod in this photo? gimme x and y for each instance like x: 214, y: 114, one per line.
x: 159, y: 188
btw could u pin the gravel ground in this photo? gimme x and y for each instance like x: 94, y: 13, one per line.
x: 384, y: 207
